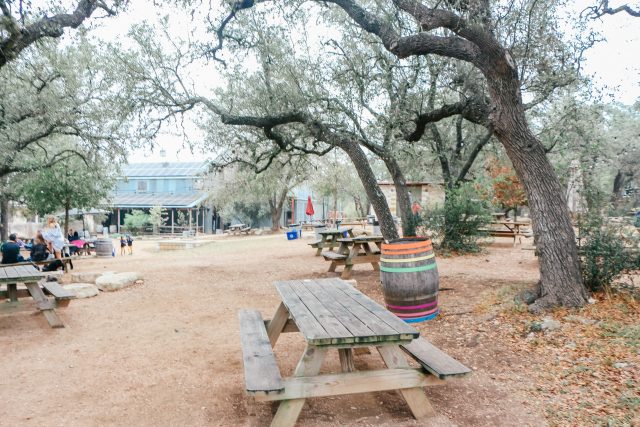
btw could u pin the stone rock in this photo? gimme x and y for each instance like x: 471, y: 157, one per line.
x: 591, y: 300
x: 113, y: 282
x: 548, y: 324
x: 53, y: 276
x: 620, y: 365
x: 527, y: 296
x: 83, y: 290
x: 88, y: 276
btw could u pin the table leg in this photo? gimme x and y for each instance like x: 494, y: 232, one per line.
x: 416, y: 399
x: 309, y: 365
x: 12, y: 292
x: 276, y: 325
x: 44, y: 305
x: 348, y: 263
x: 346, y: 359
x: 369, y: 252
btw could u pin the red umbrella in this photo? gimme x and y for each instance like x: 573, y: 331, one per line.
x: 309, y: 211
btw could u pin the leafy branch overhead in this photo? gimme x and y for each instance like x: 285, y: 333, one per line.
x: 23, y: 24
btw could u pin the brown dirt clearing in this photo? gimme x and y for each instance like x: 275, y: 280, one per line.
x: 167, y: 352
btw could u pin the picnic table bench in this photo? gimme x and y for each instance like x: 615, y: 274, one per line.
x: 331, y: 314
x: 355, y: 250
x: 329, y: 239
x: 11, y: 276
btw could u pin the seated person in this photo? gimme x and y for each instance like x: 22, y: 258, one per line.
x: 39, y: 250
x: 11, y: 251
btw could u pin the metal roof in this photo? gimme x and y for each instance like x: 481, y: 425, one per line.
x: 166, y: 200
x: 164, y: 169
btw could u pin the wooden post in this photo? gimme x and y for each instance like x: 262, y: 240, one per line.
x: 172, y: 220
x: 118, y: 223
x: 190, y: 211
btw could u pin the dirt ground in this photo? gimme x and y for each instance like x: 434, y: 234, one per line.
x: 167, y: 352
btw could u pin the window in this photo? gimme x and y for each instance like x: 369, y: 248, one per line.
x: 142, y: 186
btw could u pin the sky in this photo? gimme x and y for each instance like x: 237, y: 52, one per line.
x: 613, y: 64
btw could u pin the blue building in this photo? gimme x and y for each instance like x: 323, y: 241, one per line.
x: 177, y: 187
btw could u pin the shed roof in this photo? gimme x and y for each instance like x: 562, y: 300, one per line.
x: 164, y: 169
x: 167, y: 200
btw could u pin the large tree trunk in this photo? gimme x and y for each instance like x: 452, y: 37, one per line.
x: 4, y: 218
x: 560, y: 279
x: 67, y: 207
x: 402, y: 195
x: 375, y: 195
x: 276, y: 205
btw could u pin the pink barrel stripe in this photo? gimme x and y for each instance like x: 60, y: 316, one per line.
x: 422, y: 313
x: 412, y: 307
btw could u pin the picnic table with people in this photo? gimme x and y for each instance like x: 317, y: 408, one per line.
x: 355, y: 250
x: 330, y: 314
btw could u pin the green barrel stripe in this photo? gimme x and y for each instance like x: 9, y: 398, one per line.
x: 408, y: 269
x: 422, y: 258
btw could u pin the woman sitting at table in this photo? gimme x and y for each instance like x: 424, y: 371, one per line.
x: 53, y: 236
x: 39, y: 250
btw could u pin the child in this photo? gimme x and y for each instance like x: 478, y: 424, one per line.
x: 130, y: 243
x: 123, y: 244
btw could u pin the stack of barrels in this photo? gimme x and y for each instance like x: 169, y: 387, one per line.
x: 410, y: 279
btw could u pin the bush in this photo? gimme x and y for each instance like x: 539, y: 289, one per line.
x: 136, y: 221
x: 458, y: 225
x: 604, y: 254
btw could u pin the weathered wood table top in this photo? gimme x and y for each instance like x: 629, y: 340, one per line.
x: 330, y: 312
x: 335, y: 232
x: 19, y: 273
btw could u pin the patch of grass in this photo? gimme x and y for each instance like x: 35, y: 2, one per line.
x: 629, y: 334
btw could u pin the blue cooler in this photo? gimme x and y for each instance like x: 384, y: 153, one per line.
x: 292, y: 235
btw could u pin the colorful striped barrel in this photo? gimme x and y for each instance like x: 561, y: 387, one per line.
x: 410, y: 279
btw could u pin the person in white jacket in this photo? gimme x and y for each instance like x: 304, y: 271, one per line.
x: 53, y: 236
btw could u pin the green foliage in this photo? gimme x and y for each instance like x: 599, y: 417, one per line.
x: 457, y: 226
x: 66, y: 185
x: 605, y: 251
x: 158, y: 216
x: 137, y: 220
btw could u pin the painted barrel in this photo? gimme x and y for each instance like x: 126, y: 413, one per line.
x: 410, y: 279
x: 104, y: 247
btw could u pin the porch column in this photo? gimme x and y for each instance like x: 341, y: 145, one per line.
x: 172, y: 221
x: 190, y: 211
x: 118, y: 223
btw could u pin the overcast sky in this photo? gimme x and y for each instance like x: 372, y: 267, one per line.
x: 614, y: 65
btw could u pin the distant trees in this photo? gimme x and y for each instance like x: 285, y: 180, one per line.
x: 68, y: 184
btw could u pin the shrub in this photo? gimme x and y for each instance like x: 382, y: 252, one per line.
x: 136, y: 221
x: 458, y: 225
x: 604, y: 253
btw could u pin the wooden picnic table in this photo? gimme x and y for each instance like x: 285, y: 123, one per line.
x: 355, y: 250
x: 329, y: 238
x: 331, y: 314
x: 28, y: 275
x: 509, y: 229
x: 239, y: 229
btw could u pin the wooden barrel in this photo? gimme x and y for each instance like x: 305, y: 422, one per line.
x: 410, y: 279
x: 104, y: 247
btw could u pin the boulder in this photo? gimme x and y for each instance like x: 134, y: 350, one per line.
x: 115, y: 281
x: 83, y: 290
x: 87, y: 276
x: 549, y: 324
